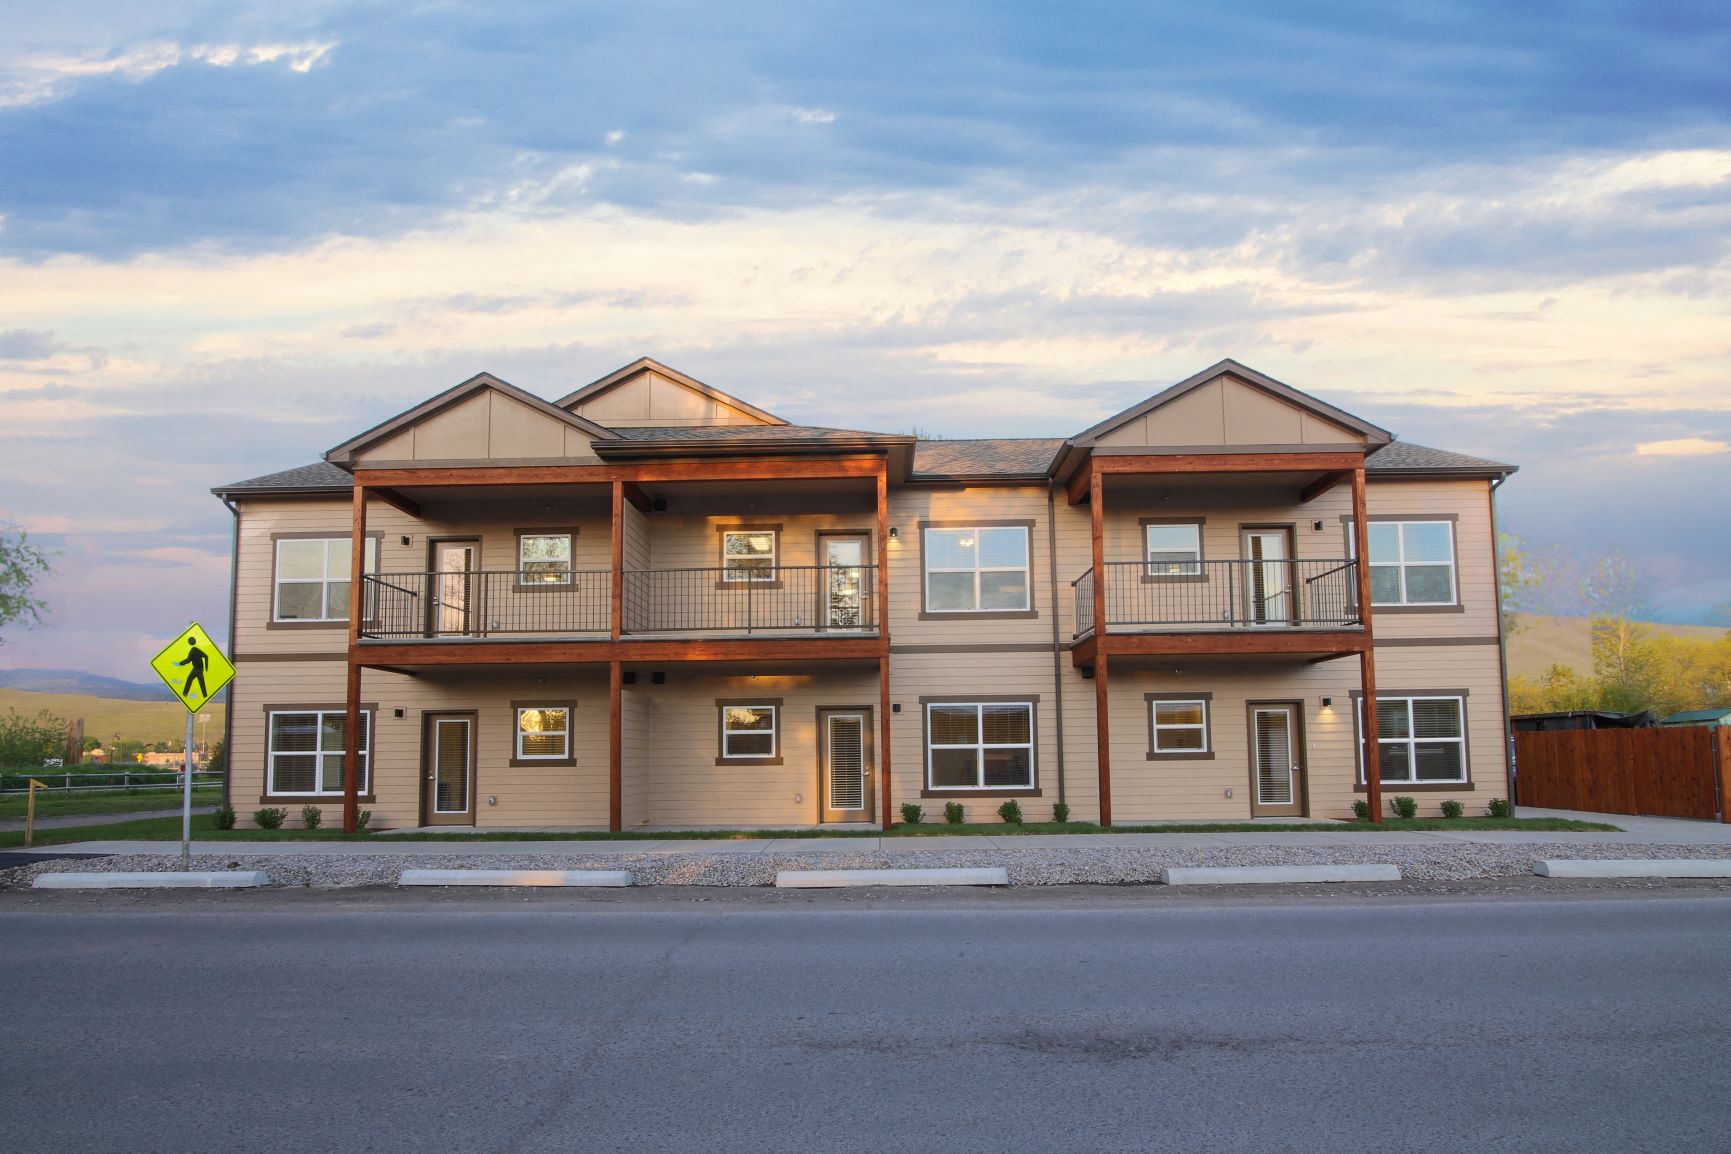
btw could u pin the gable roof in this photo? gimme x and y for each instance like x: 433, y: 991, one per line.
x: 480, y: 382
x: 620, y: 375
x: 320, y: 477
x: 994, y: 458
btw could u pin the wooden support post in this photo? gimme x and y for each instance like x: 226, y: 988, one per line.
x: 615, y: 746
x: 617, y: 609
x: 884, y: 790
x: 1366, y: 658
x: 352, y: 702
x: 885, y: 800
x: 1102, y: 709
x: 883, y: 559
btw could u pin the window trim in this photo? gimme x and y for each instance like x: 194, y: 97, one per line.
x: 1155, y: 753
x: 1032, y: 789
x: 266, y: 792
x: 272, y: 621
x: 570, y: 534
x: 1466, y: 786
x: 773, y: 581
x: 1453, y: 519
x: 1027, y: 524
x: 722, y: 757
x: 519, y: 759
x: 1145, y: 523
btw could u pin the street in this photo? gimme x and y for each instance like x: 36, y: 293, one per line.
x: 975, y: 1022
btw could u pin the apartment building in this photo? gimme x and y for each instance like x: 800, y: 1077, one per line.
x: 651, y: 604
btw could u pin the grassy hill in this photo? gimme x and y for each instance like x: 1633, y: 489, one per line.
x: 147, y: 721
x: 1546, y: 641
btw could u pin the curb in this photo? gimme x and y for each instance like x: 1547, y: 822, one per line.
x: 566, y: 878
x: 202, y: 880
x: 834, y: 879
x: 1633, y: 868
x: 1276, y: 875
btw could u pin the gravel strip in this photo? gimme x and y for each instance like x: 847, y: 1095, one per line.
x: 1028, y: 867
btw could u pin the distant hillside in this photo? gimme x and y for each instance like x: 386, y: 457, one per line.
x: 88, y: 684
x: 146, y: 721
x: 1546, y: 641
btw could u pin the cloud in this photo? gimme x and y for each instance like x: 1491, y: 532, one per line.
x: 1682, y: 447
x: 813, y: 116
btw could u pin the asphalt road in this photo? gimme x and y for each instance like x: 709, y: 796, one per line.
x: 990, y: 1022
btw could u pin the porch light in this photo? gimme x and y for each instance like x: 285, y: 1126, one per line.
x: 893, y: 533
x: 1328, y: 703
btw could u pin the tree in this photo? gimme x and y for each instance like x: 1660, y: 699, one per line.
x: 1617, y: 593
x: 217, y: 762
x: 27, y: 742
x: 21, y: 563
x: 1521, y: 577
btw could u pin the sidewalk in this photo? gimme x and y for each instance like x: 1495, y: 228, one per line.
x: 75, y: 819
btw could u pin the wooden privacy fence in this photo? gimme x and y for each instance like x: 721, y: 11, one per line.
x: 1676, y: 772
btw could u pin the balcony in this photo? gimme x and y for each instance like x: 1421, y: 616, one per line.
x: 471, y: 605
x: 1222, y: 597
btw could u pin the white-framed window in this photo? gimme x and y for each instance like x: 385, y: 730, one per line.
x: 543, y: 733
x: 980, y: 745
x: 1180, y: 726
x: 304, y: 752
x: 748, y: 731
x: 544, y: 558
x: 312, y: 577
x: 980, y: 570
x: 1420, y: 740
x: 1411, y: 562
x: 1173, y: 550
x: 748, y: 555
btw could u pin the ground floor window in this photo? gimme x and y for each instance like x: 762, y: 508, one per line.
x: 543, y: 733
x: 980, y: 745
x: 1420, y: 740
x: 305, y: 752
x: 1178, y: 726
x: 748, y: 731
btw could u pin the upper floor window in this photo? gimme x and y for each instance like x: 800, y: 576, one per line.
x: 312, y: 577
x: 1173, y: 550
x: 977, y: 570
x: 748, y: 555
x: 543, y: 558
x: 1411, y: 562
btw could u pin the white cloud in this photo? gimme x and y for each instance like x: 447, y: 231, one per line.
x: 38, y: 79
x: 1682, y: 447
x: 614, y: 137
x: 813, y: 116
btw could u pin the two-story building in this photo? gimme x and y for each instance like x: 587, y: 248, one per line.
x: 652, y: 605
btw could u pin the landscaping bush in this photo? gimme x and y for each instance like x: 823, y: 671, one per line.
x: 1499, y: 807
x: 1011, y: 812
x: 1452, y: 809
x: 269, y: 818
x: 953, y: 812
x: 223, y: 818
x: 362, y: 820
x: 911, y: 813
x: 1361, y: 810
x: 311, y: 816
x: 1404, y: 806
x: 1060, y: 813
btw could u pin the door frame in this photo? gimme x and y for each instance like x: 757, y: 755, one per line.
x: 1300, y: 752
x: 475, y: 607
x: 428, y: 717
x: 867, y: 593
x: 1294, y: 614
x: 869, y: 749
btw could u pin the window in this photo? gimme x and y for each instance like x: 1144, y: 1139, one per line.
x: 312, y: 577
x: 980, y: 570
x: 543, y: 733
x: 543, y: 558
x: 1420, y: 740
x: 1173, y: 550
x: 1179, y: 727
x: 305, y: 753
x: 748, y: 555
x: 980, y: 745
x: 1411, y: 562
x: 748, y: 731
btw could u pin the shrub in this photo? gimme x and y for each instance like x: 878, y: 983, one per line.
x: 1452, y: 809
x: 311, y: 816
x: 1361, y: 810
x: 911, y: 813
x: 223, y: 818
x: 270, y: 818
x: 1404, y: 806
x: 362, y: 820
x: 1060, y: 813
x: 953, y: 812
x: 1499, y: 807
x: 1011, y: 812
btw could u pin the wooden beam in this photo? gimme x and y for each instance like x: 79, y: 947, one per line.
x: 1103, y: 735
x: 440, y: 654
x: 883, y: 559
x: 1080, y: 484
x: 1303, y: 643
x: 638, y: 498
x: 754, y: 469
x: 352, y: 698
x: 1227, y: 463
x: 397, y: 501
x: 1322, y: 485
x: 884, y: 740
x: 615, y: 747
x: 1102, y: 707
x: 1367, y: 656
x: 616, y: 612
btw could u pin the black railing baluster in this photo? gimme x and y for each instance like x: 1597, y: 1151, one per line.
x: 1277, y: 594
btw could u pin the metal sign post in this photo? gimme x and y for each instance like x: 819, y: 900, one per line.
x: 186, y: 800
x: 207, y: 671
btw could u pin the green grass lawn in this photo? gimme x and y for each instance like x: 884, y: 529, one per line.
x: 168, y: 829
x: 106, y: 801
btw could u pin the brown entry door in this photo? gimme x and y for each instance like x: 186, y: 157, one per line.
x: 451, y: 609
x: 449, y: 786
x: 845, y: 765
x: 1277, y: 762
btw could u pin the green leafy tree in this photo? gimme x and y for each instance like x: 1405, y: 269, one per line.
x: 1618, y: 596
x: 1521, y: 577
x: 21, y: 563
x: 26, y: 742
x: 217, y: 762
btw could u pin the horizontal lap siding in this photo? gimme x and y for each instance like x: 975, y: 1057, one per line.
x: 1476, y: 571
x: 908, y: 507
x: 1222, y: 519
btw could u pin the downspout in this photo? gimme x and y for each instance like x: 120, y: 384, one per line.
x: 1057, y: 644
x: 1502, y: 648
x: 228, y: 691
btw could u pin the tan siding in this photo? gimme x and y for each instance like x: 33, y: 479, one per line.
x: 1476, y: 552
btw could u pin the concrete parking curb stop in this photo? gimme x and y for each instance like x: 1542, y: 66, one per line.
x: 1276, y: 875
x: 205, y: 880
x: 1632, y: 868
x: 543, y: 878
x: 832, y: 879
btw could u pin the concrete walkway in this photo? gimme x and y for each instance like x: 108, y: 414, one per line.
x: 77, y: 819
x: 1635, y: 831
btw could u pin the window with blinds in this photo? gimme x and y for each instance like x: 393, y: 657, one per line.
x: 1420, y: 740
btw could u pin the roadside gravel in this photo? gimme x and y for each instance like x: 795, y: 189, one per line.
x: 1106, y: 865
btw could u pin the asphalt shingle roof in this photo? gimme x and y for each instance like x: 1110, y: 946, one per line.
x: 994, y: 457
x: 1400, y: 455
x: 319, y: 476
x: 742, y: 433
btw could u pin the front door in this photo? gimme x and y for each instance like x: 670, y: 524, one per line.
x: 451, y: 608
x: 845, y: 765
x: 449, y: 756
x: 1268, y: 577
x: 846, y: 584
x: 1277, y: 762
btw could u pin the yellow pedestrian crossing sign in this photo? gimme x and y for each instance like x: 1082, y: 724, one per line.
x: 193, y: 667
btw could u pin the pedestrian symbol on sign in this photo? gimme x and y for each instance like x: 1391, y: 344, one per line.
x: 193, y: 668
x: 196, y: 658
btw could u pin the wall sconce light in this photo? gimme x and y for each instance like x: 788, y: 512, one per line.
x: 1316, y: 525
x: 893, y: 533
x: 399, y: 712
x: 407, y: 539
x: 658, y: 678
x: 1328, y: 703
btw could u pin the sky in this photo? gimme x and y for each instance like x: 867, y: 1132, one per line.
x: 232, y: 235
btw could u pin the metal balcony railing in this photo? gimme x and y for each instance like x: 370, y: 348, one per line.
x: 478, y: 604
x: 1203, y: 595
x: 788, y: 598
